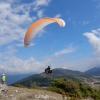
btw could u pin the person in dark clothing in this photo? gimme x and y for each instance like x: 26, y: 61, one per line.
x: 48, y: 70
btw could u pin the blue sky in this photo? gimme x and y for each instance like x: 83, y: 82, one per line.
x: 75, y: 46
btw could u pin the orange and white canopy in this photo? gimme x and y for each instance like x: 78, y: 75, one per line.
x: 37, y: 26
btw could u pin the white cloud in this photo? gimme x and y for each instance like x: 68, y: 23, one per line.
x: 82, y: 64
x: 64, y: 51
x: 40, y: 13
x: 16, y: 65
x: 10, y: 22
x: 85, y: 22
x: 10, y: 50
x: 94, y: 39
x: 7, y: 51
x: 58, y: 15
x: 16, y: 18
x: 12, y: 64
x: 41, y: 2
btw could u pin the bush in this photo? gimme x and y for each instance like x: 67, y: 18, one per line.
x: 34, y: 86
x: 73, y: 89
x: 19, y: 85
x: 64, y: 86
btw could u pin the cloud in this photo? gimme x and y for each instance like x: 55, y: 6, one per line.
x: 16, y: 65
x: 41, y: 2
x: 94, y: 40
x: 16, y: 19
x: 85, y: 22
x: 10, y: 50
x: 12, y: 64
x: 82, y: 64
x: 40, y: 13
x: 11, y: 23
x: 73, y: 64
x: 7, y: 51
x: 38, y: 3
x: 58, y: 15
x: 64, y: 51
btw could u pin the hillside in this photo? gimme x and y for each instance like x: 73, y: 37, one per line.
x: 66, y: 71
x: 15, y: 93
x: 44, y: 80
x: 60, y: 88
x: 95, y: 71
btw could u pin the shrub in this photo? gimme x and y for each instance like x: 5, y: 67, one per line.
x: 64, y: 86
x: 19, y: 85
x: 73, y: 89
x: 34, y: 86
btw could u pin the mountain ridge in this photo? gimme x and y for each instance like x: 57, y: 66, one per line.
x: 44, y: 79
x: 95, y: 71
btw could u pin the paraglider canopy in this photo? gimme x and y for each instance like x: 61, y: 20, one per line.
x: 37, y: 26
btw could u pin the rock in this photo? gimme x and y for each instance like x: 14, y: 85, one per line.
x: 3, y: 88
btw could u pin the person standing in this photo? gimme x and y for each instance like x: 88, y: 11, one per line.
x: 3, y: 78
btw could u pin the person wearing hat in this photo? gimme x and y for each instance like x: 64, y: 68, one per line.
x: 3, y: 78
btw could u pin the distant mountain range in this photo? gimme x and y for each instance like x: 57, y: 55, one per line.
x: 95, y: 71
x: 44, y: 79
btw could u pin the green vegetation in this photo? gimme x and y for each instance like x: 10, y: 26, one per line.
x: 19, y: 85
x: 34, y: 86
x: 67, y: 87
x: 43, y: 80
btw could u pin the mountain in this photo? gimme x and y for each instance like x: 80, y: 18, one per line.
x: 95, y: 71
x: 66, y: 71
x: 44, y: 79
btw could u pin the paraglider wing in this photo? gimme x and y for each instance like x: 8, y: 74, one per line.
x: 37, y: 26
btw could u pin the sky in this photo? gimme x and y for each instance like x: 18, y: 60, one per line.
x: 75, y: 46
